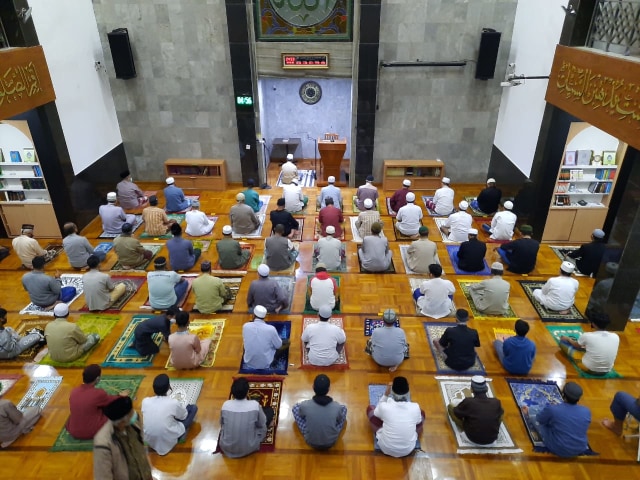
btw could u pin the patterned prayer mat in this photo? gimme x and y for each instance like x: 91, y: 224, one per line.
x: 307, y: 304
x: 317, y: 230
x: 452, y: 250
x: 403, y: 254
x: 503, y: 333
x: 391, y: 269
x: 416, y: 282
x: 288, y: 284
x: 341, y: 268
x: 203, y: 245
x: 401, y: 236
x: 536, y: 395
x: 264, y: 203
x: 205, y: 329
x: 435, y: 330
x: 39, y: 393
x: 464, y: 286
x: 113, y: 385
x: 354, y: 207
x: 297, y: 237
x: 455, y: 390
x: 562, y: 250
x: 23, y: 327
x: 242, y: 269
x: 132, y: 285
x: 439, y: 223
x: 376, y: 391
x: 545, y: 314
x: 53, y: 250
x: 123, y: 355
x: 574, y: 332
x: 136, y: 225
x: 370, y: 324
x: 154, y: 247
x: 89, y: 323
x: 306, y: 179
x: 188, y: 197
x: 354, y: 230
x: 178, y: 217
x: 257, y: 233
x: 425, y: 200
x: 103, y: 247
x: 259, y: 260
x: 281, y: 365
x: 342, y: 363
x: 67, y: 280
x: 268, y: 393
x: 181, y: 301
x: 7, y: 381
x: 474, y: 212
x: 186, y: 390
x: 389, y: 209
x: 233, y: 283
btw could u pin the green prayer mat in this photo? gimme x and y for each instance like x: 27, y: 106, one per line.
x: 112, y: 384
x: 88, y: 323
x: 178, y: 217
x: 307, y: 305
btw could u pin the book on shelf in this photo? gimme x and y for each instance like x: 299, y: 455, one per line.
x: 576, y: 174
x: 563, y: 200
x: 605, y: 174
x: 564, y: 175
x: 15, y: 156
x: 29, y: 155
x: 562, y: 187
x: 570, y: 157
x: 584, y: 157
x: 37, y: 171
x: 1, y: 156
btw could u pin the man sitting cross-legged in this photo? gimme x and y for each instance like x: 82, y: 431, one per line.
x: 12, y: 344
x: 559, y: 293
x: 388, y: 344
x: 433, y: 297
x: 65, y: 340
x: 262, y: 344
x: 45, y: 291
x: 210, y: 291
x: 99, y: 291
x: 129, y: 250
x: 323, y: 340
x: 516, y: 354
x: 491, y: 296
x: 156, y: 221
x: 145, y: 330
x: 187, y: 350
x: 458, y: 343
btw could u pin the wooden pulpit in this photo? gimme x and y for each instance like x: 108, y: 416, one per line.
x: 331, y: 154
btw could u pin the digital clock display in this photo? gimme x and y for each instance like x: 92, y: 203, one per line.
x: 244, y: 100
x: 305, y: 60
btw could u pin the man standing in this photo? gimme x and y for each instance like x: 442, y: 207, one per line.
x: 129, y: 250
x: 99, y: 291
x: 294, y: 200
x: 422, y: 252
x: 489, y: 198
x: 289, y: 171
x: 27, y: 247
x: 329, y: 250
x: 155, y: 218
x: 433, y: 297
x: 145, y: 330
x: 210, y: 291
x: 442, y: 202
x: 409, y: 217
x: 266, y: 292
x: 374, y: 254
x: 280, y: 216
x: 330, y: 191
x: 323, y: 340
x: 166, y: 420
x: 520, y: 255
x: 589, y: 255
x: 86, y: 403
x: 65, y: 340
x: 44, y: 291
x: 491, y: 296
x: 502, y: 224
x: 471, y: 253
x: 366, y: 218
x: 516, y: 354
x: 251, y: 197
x: 129, y: 194
x: 458, y: 343
x: 279, y: 251
x: 78, y: 248
x: 166, y: 287
x: 113, y: 216
x: 479, y: 416
x: 174, y: 197
x: 559, y: 293
x: 261, y: 341
x: 388, y: 344
x: 182, y: 255
x: 457, y: 225
x: 231, y: 255
x: 366, y: 191
x: 330, y: 216
x: 198, y: 224
x: 399, y: 198
x: 320, y: 419
x: 323, y: 289
x: 243, y: 218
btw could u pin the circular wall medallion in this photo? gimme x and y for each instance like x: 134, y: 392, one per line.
x: 310, y: 92
x: 304, y: 13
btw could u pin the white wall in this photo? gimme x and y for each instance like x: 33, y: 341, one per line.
x: 68, y: 33
x: 536, y: 33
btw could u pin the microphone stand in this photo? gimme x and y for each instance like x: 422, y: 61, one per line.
x: 265, y: 150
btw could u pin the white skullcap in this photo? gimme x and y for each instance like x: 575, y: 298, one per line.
x: 330, y: 230
x: 289, y: 156
x: 446, y: 180
x: 598, y: 233
x: 463, y: 205
x: 331, y: 179
x: 263, y: 270
x: 240, y: 197
x: 259, y: 311
x: 472, y: 231
x: 567, y: 267
x: 170, y: 181
x: 368, y: 203
x: 491, y: 180
x: 324, y: 311
x: 111, y: 197
x: 406, y: 182
x: 61, y: 310
x: 508, y: 205
x: 411, y: 197
x: 227, y: 230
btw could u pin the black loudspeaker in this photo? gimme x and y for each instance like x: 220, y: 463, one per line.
x: 488, y: 53
x: 121, y: 53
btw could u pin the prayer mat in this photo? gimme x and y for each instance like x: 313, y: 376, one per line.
x: 178, y: 217
x: 88, y: 323
x: 203, y: 245
x: 402, y: 236
x: 503, y: 333
x: 268, y: 393
x: 233, y: 283
x: 474, y: 212
x: 404, y: 255
x: 287, y: 284
x: 354, y: 230
x: 132, y: 285
x: 416, y: 282
x: 297, y: 237
x: 280, y: 365
x: 435, y: 330
x: 317, y: 230
x: 205, y: 329
x: 123, y: 355
x: 376, y: 391
x: 439, y: 223
x: 464, y: 286
x: 343, y: 263
x: 574, y: 332
x: 39, y: 393
x: 307, y: 304
x: 103, y: 247
x: 454, y: 390
x: 136, y: 225
x: 545, y: 314
x: 259, y: 260
x: 242, y: 269
x: 154, y: 247
x: 389, y: 209
x: 264, y: 202
x: 485, y: 235
x: 370, y: 324
x: 342, y: 363
x: 306, y: 179
x: 562, y: 250
x: 186, y: 390
x: 452, y: 250
x: 391, y: 269
x: 67, y: 280
x: 180, y: 303
x: 188, y: 197
x: 426, y: 199
x: 257, y: 233
x: 355, y: 207
x: 22, y: 329
x: 7, y: 381
x: 113, y: 385
x: 53, y: 250
x: 536, y: 395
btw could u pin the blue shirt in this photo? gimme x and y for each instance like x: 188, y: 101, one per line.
x: 175, y: 199
x: 519, y: 353
x: 261, y: 341
x: 564, y: 428
x: 181, y: 256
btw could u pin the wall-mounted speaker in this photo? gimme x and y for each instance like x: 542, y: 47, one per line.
x: 121, y: 53
x: 488, y: 53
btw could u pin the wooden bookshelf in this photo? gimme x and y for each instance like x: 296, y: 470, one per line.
x: 197, y: 173
x: 424, y: 174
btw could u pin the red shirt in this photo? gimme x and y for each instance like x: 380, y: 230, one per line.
x: 331, y: 215
x: 85, y: 403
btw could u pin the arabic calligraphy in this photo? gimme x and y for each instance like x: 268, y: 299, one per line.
x: 617, y: 97
x: 18, y: 82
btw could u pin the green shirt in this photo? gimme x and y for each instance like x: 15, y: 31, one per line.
x: 210, y: 293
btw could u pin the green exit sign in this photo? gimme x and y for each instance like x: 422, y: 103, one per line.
x: 244, y: 100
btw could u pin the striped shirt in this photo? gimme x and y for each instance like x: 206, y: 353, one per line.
x: 155, y: 221
x: 365, y: 220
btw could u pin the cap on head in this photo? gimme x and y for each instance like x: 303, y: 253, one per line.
x: 227, y: 230
x: 572, y: 391
x: 27, y: 227
x: 259, y: 311
x: 406, y: 182
x: 462, y: 316
x: 111, y: 197
x: 160, y: 262
x: 324, y: 311
x: 508, y: 205
x: 195, y: 203
x: 118, y: 409
x: 368, y: 203
x: 91, y: 372
x: 61, y: 310
x: 446, y: 180
x: 127, y: 227
x: 369, y: 178
x: 526, y: 229
x: 472, y: 231
x: 161, y: 384
x: 598, y: 233
x: 491, y: 180
x: 321, y: 384
x: 422, y: 231
x: 479, y: 384
x: 263, y: 270
x: 125, y: 174
x: 463, y: 205
x: 294, y: 180
x: 497, y: 266
x: 400, y: 386
x: 411, y: 197
x: 240, y: 197
x: 321, y: 267
x: 170, y: 180
x: 567, y: 267
x: 289, y: 157
x: 389, y: 316
x: 330, y: 230
x: 331, y: 179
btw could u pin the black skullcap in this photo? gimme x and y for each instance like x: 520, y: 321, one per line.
x: 400, y: 386
x: 161, y: 384
x: 91, y: 372
x: 119, y: 408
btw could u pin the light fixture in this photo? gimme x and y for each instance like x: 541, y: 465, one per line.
x: 569, y: 10
x: 24, y: 14
x: 511, y: 79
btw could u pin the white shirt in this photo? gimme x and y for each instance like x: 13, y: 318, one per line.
x: 322, y: 338
x: 558, y: 293
x: 322, y: 293
x: 289, y: 171
x: 397, y: 437
x: 161, y: 424
x: 602, y: 349
x: 436, y: 302
x: 197, y: 223
x: 459, y: 224
x: 292, y: 195
x: 502, y: 225
x: 408, y: 219
x: 443, y: 199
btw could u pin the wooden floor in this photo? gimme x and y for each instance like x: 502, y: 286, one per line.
x: 363, y: 295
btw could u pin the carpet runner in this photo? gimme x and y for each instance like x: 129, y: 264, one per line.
x: 39, y: 393
x: 370, y: 324
x: 7, y: 381
x: 439, y: 223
